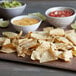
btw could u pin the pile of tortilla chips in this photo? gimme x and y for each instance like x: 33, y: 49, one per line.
x: 48, y: 45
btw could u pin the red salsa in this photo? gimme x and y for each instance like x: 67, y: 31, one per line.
x: 61, y: 13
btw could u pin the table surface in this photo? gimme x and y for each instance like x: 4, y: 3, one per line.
x: 17, y: 69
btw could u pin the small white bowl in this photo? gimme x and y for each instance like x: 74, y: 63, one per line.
x: 27, y: 28
x: 8, y: 13
x: 62, y: 22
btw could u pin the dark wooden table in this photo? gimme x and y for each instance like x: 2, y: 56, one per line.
x: 17, y: 69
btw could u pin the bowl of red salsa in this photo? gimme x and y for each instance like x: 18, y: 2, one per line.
x: 60, y: 16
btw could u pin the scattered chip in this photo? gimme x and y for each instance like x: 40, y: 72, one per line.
x: 9, y: 34
x: 57, y: 32
x: 7, y: 41
x: 7, y: 50
x: 71, y: 35
x: 46, y: 57
x: 66, y: 55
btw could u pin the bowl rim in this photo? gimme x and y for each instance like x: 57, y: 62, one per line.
x: 73, y: 9
x: 23, y: 4
x: 40, y: 20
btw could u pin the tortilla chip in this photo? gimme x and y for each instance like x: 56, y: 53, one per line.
x: 26, y: 41
x: 36, y: 54
x: 62, y: 40
x: 11, y: 46
x: 7, y: 50
x: 62, y: 46
x: 7, y: 41
x: 57, y: 32
x: 48, y: 29
x: 54, y: 52
x: 20, y: 34
x: 71, y: 35
x: 22, y: 40
x: 74, y: 53
x: 66, y: 55
x: 38, y: 36
x: 46, y: 57
x: 74, y: 50
x: 29, y: 44
x: 23, y: 52
x: 19, y: 49
x: 9, y: 34
x: 2, y: 39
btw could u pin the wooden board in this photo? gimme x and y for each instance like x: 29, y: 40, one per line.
x: 56, y: 64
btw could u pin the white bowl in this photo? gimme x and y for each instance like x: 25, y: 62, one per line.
x: 28, y: 28
x: 8, y: 13
x: 60, y: 21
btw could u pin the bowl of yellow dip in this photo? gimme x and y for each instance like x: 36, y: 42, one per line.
x: 26, y: 23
